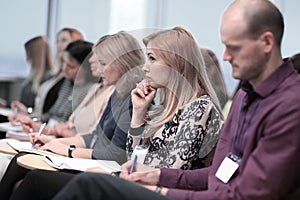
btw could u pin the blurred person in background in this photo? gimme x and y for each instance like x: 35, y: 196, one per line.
x: 48, y: 91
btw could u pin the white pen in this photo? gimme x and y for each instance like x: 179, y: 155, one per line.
x: 16, y: 110
x: 40, y: 132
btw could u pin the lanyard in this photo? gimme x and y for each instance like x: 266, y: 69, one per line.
x: 241, y: 142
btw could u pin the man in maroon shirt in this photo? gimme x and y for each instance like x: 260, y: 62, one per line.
x: 257, y: 156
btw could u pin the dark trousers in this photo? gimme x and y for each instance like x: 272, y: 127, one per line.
x: 13, y: 174
x: 103, y: 186
x: 42, y: 181
x: 41, y: 184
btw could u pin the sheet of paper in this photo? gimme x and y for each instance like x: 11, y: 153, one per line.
x: 81, y: 164
x: 6, y: 111
x: 17, y: 145
x: 17, y: 135
x: 23, y: 146
x: 7, y: 126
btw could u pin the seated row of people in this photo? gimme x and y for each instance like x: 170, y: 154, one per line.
x: 179, y: 133
x: 182, y: 136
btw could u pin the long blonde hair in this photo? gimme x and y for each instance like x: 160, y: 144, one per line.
x: 38, y: 50
x: 124, y: 51
x: 189, y: 80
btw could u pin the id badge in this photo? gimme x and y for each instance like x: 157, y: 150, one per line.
x: 140, y: 151
x: 228, y: 167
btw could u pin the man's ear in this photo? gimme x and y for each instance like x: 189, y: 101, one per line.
x: 268, y: 40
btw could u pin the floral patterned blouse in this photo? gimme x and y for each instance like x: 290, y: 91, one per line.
x: 187, y: 141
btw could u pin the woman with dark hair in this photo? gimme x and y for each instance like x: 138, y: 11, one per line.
x: 72, y: 91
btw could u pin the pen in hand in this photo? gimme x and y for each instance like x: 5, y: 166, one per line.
x: 16, y: 111
x: 133, y: 164
x: 40, y: 132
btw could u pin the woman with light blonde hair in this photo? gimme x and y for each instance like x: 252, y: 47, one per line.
x: 183, y: 128
x: 127, y: 50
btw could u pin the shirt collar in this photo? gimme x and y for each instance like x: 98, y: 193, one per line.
x: 272, y: 82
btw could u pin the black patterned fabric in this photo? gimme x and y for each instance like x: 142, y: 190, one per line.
x: 188, y: 140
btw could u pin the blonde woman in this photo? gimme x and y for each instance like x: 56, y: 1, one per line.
x: 181, y: 132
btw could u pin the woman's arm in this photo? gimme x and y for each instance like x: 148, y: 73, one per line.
x: 61, y: 146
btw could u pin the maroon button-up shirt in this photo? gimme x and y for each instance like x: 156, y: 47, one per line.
x: 270, y: 148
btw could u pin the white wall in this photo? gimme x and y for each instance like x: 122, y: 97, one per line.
x: 202, y: 18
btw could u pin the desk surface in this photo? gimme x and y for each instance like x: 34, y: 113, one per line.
x: 5, y: 148
x: 33, y: 161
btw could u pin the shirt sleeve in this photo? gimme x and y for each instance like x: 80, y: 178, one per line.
x: 184, y: 179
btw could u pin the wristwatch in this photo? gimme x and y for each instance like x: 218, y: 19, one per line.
x: 117, y: 173
x: 157, y: 189
x: 70, y: 150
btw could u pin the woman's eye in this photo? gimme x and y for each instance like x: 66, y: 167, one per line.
x: 151, y: 58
